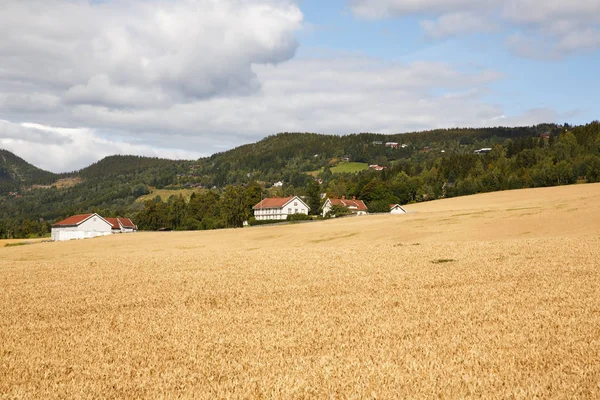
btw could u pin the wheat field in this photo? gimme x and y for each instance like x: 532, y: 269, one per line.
x: 494, y: 296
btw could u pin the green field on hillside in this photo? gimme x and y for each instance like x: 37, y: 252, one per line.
x: 166, y: 193
x: 351, y: 167
x: 344, y: 167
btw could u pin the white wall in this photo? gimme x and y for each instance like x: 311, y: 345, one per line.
x: 295, y: 206
x: 91, y: 228
x: 326, y: 207
x: 397, y: 211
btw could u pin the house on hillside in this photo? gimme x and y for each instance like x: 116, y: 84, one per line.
x: 393, y: 145
x: 278, y: 208
x: 357, y: 207
x: 397, y: 209
x: 83, y: 226
x: 278, y: 184
x: 122, y: 225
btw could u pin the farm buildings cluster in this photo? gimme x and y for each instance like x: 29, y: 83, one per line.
x: 88, y: 226
x: 278, y: 208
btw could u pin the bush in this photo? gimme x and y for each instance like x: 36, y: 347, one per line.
x: 254, y: 222
x: 298, y: 217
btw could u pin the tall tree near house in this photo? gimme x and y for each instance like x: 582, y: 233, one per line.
x: 253, y: 195
x: 313, y: 196
x: 233, y: 206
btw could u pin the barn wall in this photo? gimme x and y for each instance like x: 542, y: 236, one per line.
x: 91, y: 228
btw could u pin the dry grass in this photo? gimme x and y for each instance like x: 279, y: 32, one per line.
x: 282, y: 312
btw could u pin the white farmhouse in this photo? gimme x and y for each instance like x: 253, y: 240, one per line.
x: 397, y: 209
x: 278, y: 208
x: 81, y: 227
x: 357, y: 207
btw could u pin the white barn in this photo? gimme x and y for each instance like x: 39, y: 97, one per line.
x: 122, y: 225
x: 278, y: 208
x: 81, y: 227
x: 397, y: 209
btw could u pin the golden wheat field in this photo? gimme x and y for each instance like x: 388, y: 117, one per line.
x: 492, y: 296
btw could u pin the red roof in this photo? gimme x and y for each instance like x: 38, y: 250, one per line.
x: 273, y: 202
x: 74, y: 220
x: 114, y: 222
x: 353, y: 205
x: 126, y: 222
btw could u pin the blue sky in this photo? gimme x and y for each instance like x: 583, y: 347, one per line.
x: 569, y: 85
x: 83, y: 79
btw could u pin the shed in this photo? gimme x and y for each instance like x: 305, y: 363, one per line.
x: 397, y: 209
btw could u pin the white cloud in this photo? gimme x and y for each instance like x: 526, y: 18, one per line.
x: 557, y: 27
x: 120, y: 53
x: 62, y: 149
x: 455, y: 24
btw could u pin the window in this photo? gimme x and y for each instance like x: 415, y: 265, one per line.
x: 289, y: 210
x: 295, y: 204
x: 296, y: 211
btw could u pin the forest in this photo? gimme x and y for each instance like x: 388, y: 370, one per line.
x: 425, y: 166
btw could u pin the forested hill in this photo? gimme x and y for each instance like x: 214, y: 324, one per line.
x: 16, y: 173
x: 285, y: 155
x: 124, y: 164
x: 416, y: 167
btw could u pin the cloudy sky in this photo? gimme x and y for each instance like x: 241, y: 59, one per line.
x: 83, y: 79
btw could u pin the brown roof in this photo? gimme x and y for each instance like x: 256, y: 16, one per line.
x: 273, y: 202
x: 127, y: 223
x: 114, y: 222
x: 357, y: 205
x: 74, y: 220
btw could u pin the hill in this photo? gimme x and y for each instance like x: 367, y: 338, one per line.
x: 493, y: 295
x: 415, y: 167
x: 16, y: 173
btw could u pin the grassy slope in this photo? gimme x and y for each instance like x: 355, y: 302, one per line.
x: 165, y: 194
x: 344, y: 167
x: 358, y: 307
x: 351, y: 167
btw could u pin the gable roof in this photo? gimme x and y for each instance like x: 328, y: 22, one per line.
x: 114, y: 222
x: 277, y: 202
x: 353, y: 205
x: 127, y: 223
x: 392, y: 206
x: 75, y: 220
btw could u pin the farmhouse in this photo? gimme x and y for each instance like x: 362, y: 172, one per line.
x: 279, y: 208
x: 357, y: 207
x: 397, y: 209
x: 83, y: 226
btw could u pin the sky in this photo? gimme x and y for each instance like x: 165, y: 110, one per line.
x: 82, y: 79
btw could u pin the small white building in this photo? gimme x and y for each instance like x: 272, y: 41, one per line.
x: 357, y: 207
x: 122, y: 225
x: 278, y: 184
x: 278, y: 208
x: 81, y: 227
x: 397, y: 209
